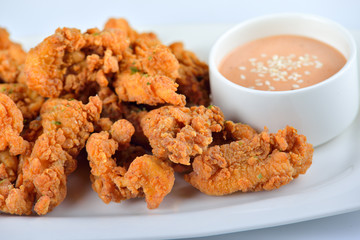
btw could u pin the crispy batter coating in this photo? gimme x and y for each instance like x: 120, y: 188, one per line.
x: 193, y: 77
x: 69, y: 60
x: 262, y: 162
x: 11, y: 125
x: 148, y: 72
x: 179, y: 133
x: 152, y: 176
x: 122, y: 24
x: 12, y: 200
x: 145, y: 176
x: 29, y: 102
x: 66, y: 127
x: 8, y: 166
x: 17, y: 198
x: 12, y: 58
x: 145, y: 89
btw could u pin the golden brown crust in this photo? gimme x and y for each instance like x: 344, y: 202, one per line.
x: 145, y: 176
x: 29, y: 102
x: 263, y: 162
x: 69, y: 60
x: 179, y: 133
x: 11, y: 125
x: 12, y: 58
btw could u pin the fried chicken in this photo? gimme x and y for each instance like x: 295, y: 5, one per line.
x: 69, y: 60
x: 12, y: 200
x: 179, y: 133
x: 193, y: 77
x: 252, y: 162
x: 66, y: 127
x: 29, y: 102
x: 148, y: 72
x: 12, y: 58
x: 122, y: 24
x: 11, y: 125
x: 145, y: 176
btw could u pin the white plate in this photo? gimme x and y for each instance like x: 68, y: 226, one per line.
x: 330, y: 187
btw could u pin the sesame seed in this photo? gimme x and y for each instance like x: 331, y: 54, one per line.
x: 267, y: 82
x: 307, y: 73
x: 242, y: 68
x: 271, y: 88
x: 263, y: 55
x: 300, y: 81
x: 259, y: 84
x: 295, y: 86
x: 261, y: 75
x: 242, y: 76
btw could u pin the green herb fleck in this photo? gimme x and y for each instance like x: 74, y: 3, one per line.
x: 241, y: 142
x: 1, y: 181
x: 134, y: 70
x: 56, y: 123
x: 10, y: 91
x: 150, y: 58
x: 3, y: 89
x: 146, y: 75
x: 70, y: 99
x: 210, y: 106
x: 260, y: 176
x: 148, y: 83
x: 96, y: 34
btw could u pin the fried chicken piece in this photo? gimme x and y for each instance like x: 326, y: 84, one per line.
x: 12, y: 200
x: 122, y: 24
x: 17, y: 198
x: 145, y: 176
x: 145, y: 89
x: 193, y: 77
x: 252, y: 163
x: 66, y: 127
x: 69, y: 60
x: 8, y: 166
x: 152, y: 176
x: 148, y: 72
x: 11, y: 125
x: 29, y: 102
x: 12, y: 58
x: 179, y: 133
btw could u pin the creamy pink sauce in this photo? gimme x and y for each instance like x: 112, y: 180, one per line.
x: 282, y: 62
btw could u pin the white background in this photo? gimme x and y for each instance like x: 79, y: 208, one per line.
x: 32, y: 18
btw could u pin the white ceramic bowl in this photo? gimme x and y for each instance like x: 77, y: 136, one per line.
x: 320, y: 112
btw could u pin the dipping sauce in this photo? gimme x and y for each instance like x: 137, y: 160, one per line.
x: 281, y: 62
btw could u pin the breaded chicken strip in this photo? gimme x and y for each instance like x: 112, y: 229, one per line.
x: 145, y: 176
x: 12, y: 58
x: 179, y: 133
x: 193, y: 77
x: 69, y: 60
x: 252, y: 162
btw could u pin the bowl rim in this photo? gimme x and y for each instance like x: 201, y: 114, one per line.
x: 347, y: 35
